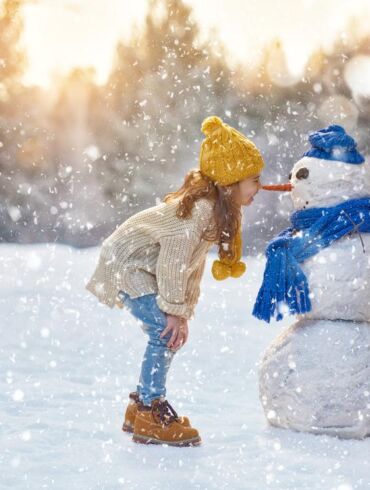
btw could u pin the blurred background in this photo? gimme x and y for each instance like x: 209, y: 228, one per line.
x: 101, y: 103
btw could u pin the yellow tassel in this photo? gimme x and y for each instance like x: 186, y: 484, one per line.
x: 222, y: 269
x: 238, y: 269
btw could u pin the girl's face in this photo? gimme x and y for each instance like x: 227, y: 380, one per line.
x: 247, y: 189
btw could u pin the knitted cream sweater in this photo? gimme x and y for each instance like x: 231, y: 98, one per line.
x: 154, y: 251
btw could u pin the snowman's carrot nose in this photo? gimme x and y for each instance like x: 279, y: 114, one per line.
x: 278, y: 187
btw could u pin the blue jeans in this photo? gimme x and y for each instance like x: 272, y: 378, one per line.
x: 157, y: 357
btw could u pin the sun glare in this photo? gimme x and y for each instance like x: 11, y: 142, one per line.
x: 61, y: 35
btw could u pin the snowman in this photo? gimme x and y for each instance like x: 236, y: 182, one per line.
x: 315, y: 376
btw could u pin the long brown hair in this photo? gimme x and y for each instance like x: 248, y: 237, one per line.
x: 227, y: 212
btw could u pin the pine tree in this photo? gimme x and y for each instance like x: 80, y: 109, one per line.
x: 162, y: 86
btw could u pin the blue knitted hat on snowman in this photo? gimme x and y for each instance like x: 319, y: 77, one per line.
x: 333, y: 143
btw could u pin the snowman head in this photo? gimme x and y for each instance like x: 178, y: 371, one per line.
x: 332, y: 171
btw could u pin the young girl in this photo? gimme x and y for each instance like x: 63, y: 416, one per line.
x: 153, y: 264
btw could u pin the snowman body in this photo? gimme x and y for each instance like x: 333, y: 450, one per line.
x: 339, y: 280
x: 339, y: 275
x: 315, y: 377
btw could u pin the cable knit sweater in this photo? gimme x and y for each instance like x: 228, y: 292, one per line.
x: 154, y: 251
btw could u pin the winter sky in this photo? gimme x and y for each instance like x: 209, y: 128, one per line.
x: 65, y: 33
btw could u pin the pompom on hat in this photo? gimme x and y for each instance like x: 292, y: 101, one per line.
x: 227, y: 157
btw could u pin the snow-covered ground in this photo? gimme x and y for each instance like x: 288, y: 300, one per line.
x: 67, y: 364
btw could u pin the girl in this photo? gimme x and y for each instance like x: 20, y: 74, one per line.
x: 153, y: 264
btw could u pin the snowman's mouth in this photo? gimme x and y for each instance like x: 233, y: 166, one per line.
x: 278, y: 187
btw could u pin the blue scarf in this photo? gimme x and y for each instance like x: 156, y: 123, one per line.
x: 283, y: 280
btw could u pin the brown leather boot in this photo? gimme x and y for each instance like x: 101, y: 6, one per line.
x: 159, y: 424
x: 131, y: 410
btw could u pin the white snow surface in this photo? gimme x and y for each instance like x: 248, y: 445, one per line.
x: 67, y: 364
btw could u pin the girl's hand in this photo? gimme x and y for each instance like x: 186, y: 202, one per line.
x: 118, y: 303
x: 180, y: 332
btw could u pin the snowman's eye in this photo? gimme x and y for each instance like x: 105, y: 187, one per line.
x: 302, y: 173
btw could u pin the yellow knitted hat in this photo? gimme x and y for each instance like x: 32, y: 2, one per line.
x: 226, y: 157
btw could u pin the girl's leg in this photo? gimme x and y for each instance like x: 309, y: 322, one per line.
x: 157, y: 356
x: 156, y: 363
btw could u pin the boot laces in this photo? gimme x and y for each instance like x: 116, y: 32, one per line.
x: 167, y: 413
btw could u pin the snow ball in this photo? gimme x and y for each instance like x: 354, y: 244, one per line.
x: 282, y: 308
x: 33, y: 261
x: 92, y: 151
x: 14, y: 213
x: 271, y: 414
x: 269, y: 478
x: 357, y: 74
x: 44, y: 332
x: 99, y: 287
x: 292, y: 364
x: 63, y: 172
x: 344, y: 486
x: 26, y: 435
x: 15, y: 462
x: 18, y: 395
x: 53, y: 210
x: 52, y: 364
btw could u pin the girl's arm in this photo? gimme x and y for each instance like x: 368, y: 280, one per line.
x: 172, y: 273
